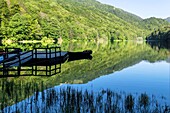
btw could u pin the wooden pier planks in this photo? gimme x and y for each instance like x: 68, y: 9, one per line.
x: 43, y: 60
x: 39, y: 59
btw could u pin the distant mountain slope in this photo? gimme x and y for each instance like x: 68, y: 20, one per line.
x: 155, y: 23
x: 70, y: 19
x: 168, y: 19
x: 126, y: 16
x: 116, y: 11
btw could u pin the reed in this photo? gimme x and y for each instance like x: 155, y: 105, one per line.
x: 38, y: 99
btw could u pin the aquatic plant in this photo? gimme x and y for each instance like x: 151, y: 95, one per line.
x: 129, y: 103
x: 70, y: 100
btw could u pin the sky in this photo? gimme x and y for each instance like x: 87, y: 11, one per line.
x: 143, y: 8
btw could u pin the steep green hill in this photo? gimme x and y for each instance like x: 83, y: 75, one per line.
x: 126, y: 16
x: 155, y: 23
x: 70, y: 19
x: 110, y: 9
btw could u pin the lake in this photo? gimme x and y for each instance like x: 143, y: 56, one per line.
x: 123, y: 67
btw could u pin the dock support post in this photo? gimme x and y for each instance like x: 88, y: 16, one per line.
x: 19, y: 70
x: 6, y: 51
x: 50, y: 70
x: 55, y: 58
x: 19, y: 67
x: 35, y: 70
x: 55, y: 68
x: 32, y: 70
x: 32, y: 54
x: 60, y: 68
x: 5, y: 71
x: 46, y: 70
x: 46, y: 53
x: 35, y: 53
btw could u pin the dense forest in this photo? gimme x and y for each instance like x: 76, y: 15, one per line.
x: 162, y: 34
x: 70, y: 19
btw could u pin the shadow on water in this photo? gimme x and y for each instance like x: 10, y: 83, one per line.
x: 1, y: 49
x: 80, y: 55
x: 0, y: 42
x: 33, y: 70
x: 159, y: 44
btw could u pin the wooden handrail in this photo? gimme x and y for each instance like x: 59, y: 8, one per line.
x: 47, y: 48
x: 18, y: 58
x: 14, y: 57
x: 9, y: 59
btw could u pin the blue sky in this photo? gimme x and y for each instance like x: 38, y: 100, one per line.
x: 143, y: 8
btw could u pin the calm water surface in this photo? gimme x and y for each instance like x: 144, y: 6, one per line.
x: 143, y: 77
x: 121, y: 67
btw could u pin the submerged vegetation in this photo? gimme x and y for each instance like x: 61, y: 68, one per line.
x: 67, y: 99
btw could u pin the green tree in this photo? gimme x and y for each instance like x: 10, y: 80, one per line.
x: 14, y: 9
x: 4, y: 17
x: 24, y: 27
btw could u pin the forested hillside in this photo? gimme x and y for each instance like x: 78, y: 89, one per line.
x: 160, y: 34
x: 70, y: 19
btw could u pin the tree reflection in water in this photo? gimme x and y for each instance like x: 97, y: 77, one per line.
x: 67, y: 99
x: 37, y: 94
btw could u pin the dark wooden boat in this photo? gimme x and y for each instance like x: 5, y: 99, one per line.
x: 80, y: 55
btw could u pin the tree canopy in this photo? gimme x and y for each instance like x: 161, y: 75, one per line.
x: 71, y: 19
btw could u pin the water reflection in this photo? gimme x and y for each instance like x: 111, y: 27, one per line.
x: 68, y: 99
x: 120, y: 67
x: 142, y: 77
x: 0, y: 42
x: 86, y: 54
x: 42, y: 67
x: 159, y: 44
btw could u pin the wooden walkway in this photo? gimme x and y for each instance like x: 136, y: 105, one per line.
x: 37, y: 57
x: 30, y: 58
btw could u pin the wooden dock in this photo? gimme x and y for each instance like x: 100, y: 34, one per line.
x: 42, y: 57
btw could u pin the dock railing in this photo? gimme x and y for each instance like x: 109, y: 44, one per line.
x: 50, y: 53
x: 16, y: 61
